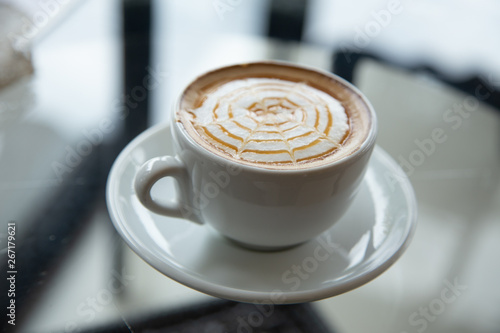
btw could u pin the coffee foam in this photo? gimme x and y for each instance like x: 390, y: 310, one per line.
x: 274, y: 116
x: 267, y: 120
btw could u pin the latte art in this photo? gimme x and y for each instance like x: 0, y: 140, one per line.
x: 270, y: 121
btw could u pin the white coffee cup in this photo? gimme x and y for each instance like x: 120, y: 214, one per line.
x: 257, y: 207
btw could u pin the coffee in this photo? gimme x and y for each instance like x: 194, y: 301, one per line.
x: 274, y: 115
x: 260, y: 148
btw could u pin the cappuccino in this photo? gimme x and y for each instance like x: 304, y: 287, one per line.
x: 274, y: 116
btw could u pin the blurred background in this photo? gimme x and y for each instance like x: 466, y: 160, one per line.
x: 72, y: 96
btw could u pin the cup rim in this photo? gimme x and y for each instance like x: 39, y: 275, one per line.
x: 366, y: 146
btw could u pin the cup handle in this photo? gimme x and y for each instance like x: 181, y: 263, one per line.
x: 155, y: 169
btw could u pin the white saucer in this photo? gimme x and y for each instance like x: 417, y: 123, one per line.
x: 364, y: 243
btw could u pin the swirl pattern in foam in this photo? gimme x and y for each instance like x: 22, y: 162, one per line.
x: 271, y: 121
